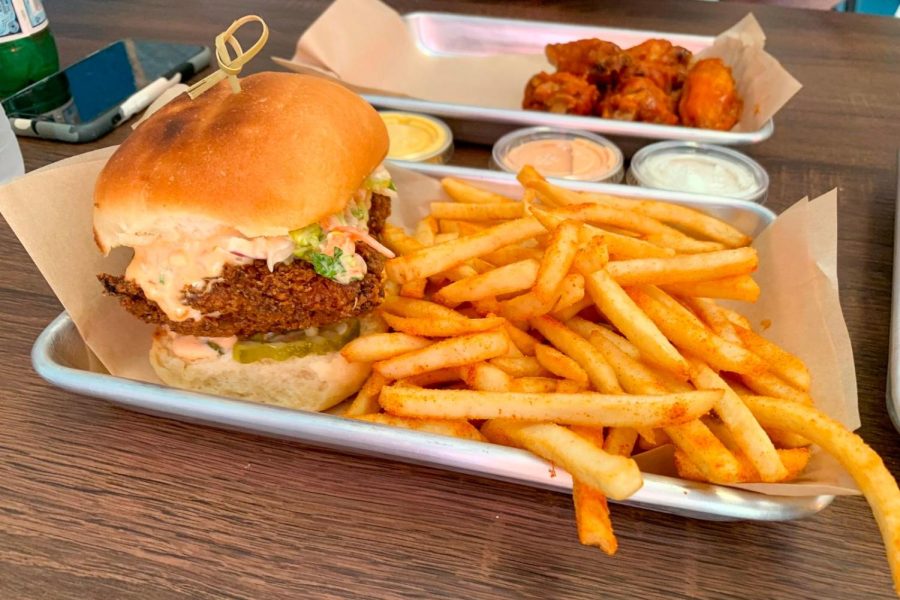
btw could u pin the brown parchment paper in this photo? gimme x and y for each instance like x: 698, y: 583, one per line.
x: 50, y: 210
x: 340, y: 44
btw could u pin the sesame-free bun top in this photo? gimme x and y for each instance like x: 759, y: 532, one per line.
x: 284, y: 152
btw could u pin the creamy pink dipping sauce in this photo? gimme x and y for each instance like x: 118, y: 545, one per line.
x: 572, y: 158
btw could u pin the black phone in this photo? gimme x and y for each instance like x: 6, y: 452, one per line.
x: 91, y: 97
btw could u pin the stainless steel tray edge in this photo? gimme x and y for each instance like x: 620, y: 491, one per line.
x: 893, y: 374
x: 663, y: 494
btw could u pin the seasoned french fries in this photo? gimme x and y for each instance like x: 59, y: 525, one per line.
x: 380, y: 346
x: 686, y: 219
x: 688, y: 268
x: 602, y: 377
x: 615, y: 476
x: 585, y: 408
x: 557, y: 261
x: 508, y: 279
x: 469, y: 194
x: 453, y: 352
x: 685, y: 330
x: 559, y: 364
x: 477, y: 212
x: 622, y: 311
x: 584, y: 328
x: 434, y: 259
x: 421, y: 326
x: 738, y: 287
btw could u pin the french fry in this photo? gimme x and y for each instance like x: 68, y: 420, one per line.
x: 601, y: 375
x: 512, y: 253
x: 523, y: 341
x: 477, y: 212
x: 486, y: 306
x: 585, y: 408
x: 714, y: 316
x: 592, y: 518
x: 785, y: 439
x: 486, y: 377
x: 749, y: 436
x: 426, y: 229
x: 687, y: 219
x: 705, y: 450
x: 398, y: 241
x: 559, y: 364
x: 366, y: 401
x: 795, y: 460
x: 525, y: 307
x: 585, y: 329
x: 458, y: 429
x: 534, y: 385
x: 420, y: 326
x: 634, y: 376
x: 421, y: 309
x: 593, y: 256
x: 453, y: 352
x: 651, y: 229
x: 564, y: 314
x: 592, y: 434
x: 436, y: 377
x: 693, y: 438
x: 736, y: 318
x: 379, y: 346
x: 571, y: 292
x: 621, y: 247
x: 684, y: 268
x: 464, y: 192
x: 557, y: 261
x: 567, y: 386
x: 637, y: 327
x: 620, y: 440
x: 526, y: 366
x: 508, y: 279
x: 414, y: 288
x: 615, y: 476
x: 684, y: 329
x: 780, y: 361
x: 860, y: 461
x: 767, y: 384
x: 434, y: 259
x: 738, y: 287
x: 446, y: 236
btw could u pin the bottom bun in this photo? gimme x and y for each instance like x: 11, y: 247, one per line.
x: 315, y: 382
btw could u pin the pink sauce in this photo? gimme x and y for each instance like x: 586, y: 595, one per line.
x: 577, y: 158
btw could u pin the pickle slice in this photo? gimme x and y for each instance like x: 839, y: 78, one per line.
x: 327, y: 340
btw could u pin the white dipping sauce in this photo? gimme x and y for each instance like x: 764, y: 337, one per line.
x: 697, y: 173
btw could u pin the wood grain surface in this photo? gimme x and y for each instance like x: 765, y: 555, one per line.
x: 99, y: 502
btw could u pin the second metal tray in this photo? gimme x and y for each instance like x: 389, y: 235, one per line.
x: 60, y: 356
x: 447, y: 34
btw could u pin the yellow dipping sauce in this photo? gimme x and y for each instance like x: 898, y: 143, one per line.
x: 417, y: 137
x: 572, y: 158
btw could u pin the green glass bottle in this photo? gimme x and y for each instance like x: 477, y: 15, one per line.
x: 27, y: 48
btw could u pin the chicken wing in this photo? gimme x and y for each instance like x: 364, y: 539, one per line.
x: 560, y: 93
x: 709, y: 98
x: 638, y: 99
x: 661, y: 61
x: 598, y: 61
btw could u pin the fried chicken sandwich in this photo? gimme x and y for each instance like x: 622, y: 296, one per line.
x: 254, y: 219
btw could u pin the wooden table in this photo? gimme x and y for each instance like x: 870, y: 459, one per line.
x: 99, y: 502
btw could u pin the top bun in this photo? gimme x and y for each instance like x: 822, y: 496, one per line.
x: 284, y: 152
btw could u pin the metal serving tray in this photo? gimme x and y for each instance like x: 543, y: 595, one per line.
x: 60, y: 356
x: 893, y: 375
x: 446, y: 34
